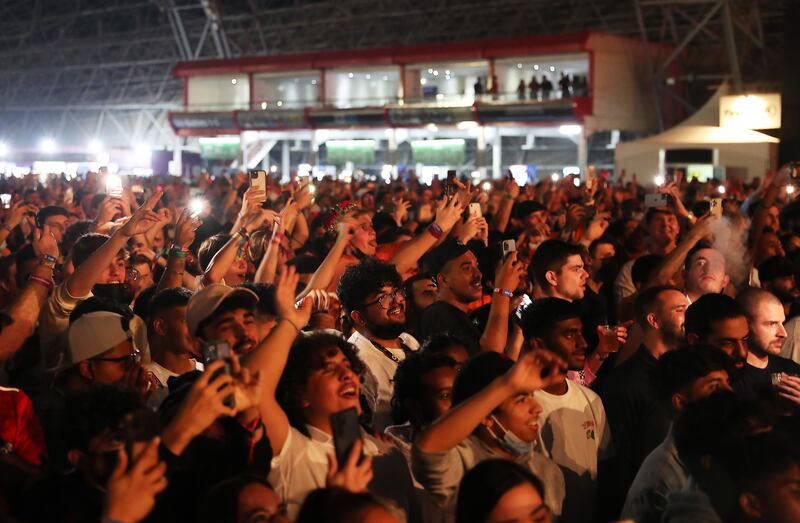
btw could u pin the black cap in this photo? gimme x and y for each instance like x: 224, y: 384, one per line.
x: 448, y: 250
x: 523, y: 209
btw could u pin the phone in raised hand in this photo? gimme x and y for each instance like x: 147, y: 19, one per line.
x: 346, y: 432
x: 113, y: 185
x: 509, y: 246
x: 218, y: 350
x: 475, y: 210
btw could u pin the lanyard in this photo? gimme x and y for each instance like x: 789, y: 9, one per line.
x: 386, y: 352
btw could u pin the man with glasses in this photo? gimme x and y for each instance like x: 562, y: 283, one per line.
x: 371, y: 293
x: 101, y: 350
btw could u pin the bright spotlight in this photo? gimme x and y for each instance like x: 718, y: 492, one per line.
x: 790, y: 189
x: 197, y: 206
x: 142, y: 150
x: 721, y: 189
x: 487, y: 186
x: 95, y: 146
x: 3, y: 149
x: 48, y: 146
x: 659, y: 180
x: 234, y: 81
x: 554, y: 177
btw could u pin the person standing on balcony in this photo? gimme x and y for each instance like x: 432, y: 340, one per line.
x: 521, y: 88
x: 533, y: 87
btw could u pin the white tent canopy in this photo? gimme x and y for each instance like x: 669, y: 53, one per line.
x: 742, y: 151
x: 707, y: 135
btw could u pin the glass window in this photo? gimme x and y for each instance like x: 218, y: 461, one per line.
x: 223, y: 92
x: 556, y: 76
x: 295, y: 89
x: 454, y: 82
x: 361, y: 87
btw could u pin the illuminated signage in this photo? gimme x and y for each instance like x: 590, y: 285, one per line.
x: 750, y: 111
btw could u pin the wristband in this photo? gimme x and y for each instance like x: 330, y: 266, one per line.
x: 41, y: 281
x: 505, y: 292
x: 47, y: 259
x: 243, y: 234
x: 293, y: 324
x: 178, y: 253
x: 435, y: 230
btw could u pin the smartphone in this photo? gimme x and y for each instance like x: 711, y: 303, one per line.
x: 5, y: 200
x: 68, y: 196
x: 258, y: 179
x: 346, y: 431
x: 716, y: 207
x: 137, y: 189
x: 656, y: 200
x: 218, y: 350
x: 139, y: 428
x: 509, y: 246
x: 475, y: 210
x: 113, y: 186
x: 794, y: 170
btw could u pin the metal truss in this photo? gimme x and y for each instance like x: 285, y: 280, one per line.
x: 79, y: 69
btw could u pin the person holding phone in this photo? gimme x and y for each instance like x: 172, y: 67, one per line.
x: 307, y: 380
x: 493, y: 415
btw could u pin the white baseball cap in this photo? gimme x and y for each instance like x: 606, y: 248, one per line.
x: 204, y: 303
x: 94, y: 333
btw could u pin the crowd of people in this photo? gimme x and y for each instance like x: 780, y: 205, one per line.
x: 566, y: 351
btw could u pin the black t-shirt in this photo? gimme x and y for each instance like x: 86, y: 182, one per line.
x: 638, y: 420
x: 756, y: 384
x: 443, y: 318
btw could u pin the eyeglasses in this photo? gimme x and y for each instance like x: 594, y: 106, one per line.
x: 386, y: 300
x: 129, y: 361
x: 131, y: 274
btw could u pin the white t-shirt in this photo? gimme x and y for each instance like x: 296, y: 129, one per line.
x: 163, y: 375
x: 378, y: 385
x: 574, y: 433
x: 302, y: 466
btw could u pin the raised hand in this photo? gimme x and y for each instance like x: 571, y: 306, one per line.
x: 252, y: 200
x: 346, y: 229
x: 303, y: 196
x: 597, y: 227
x: 509, y: 273
x: 355, y: 475
x: 130, y: 494
x: 401, y: 211
x: 465, y: 231
x: 185, y: 228
x: 44, y: 242
x: 285, y: 288
x: 448, y: 213
x: 202, y: 406
x: 109, y: 208
x: 144, y: 218
x: 246, y: 386
x: 18, y: 212
x: 259, y: 218
x: 535, y: 370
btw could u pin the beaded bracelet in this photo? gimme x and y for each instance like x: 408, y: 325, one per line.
x: 505, y: 292
x: 41, y: 281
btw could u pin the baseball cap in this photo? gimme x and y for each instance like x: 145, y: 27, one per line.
x: 94, y: 333
x: 448, y: 250
x: 205, y: 302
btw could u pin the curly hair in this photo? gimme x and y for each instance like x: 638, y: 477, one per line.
x: 363, y: 279
x: 408, y: 380
x: 308, y: 355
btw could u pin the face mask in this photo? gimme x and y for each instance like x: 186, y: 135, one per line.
x: 510, y: 442
x: 118, y: 292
